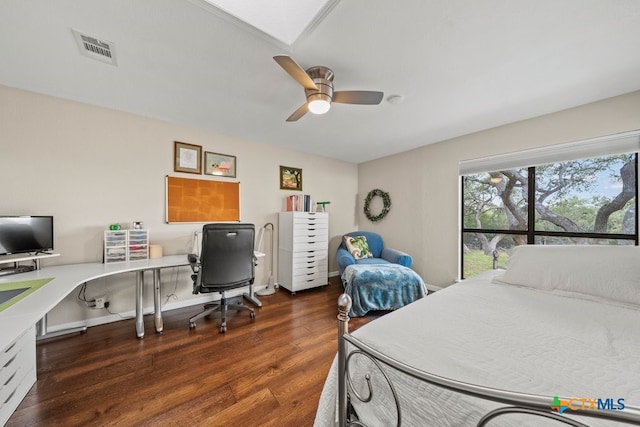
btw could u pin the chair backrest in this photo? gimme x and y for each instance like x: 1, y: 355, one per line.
x: 226, y: 259
x: 374, y: 240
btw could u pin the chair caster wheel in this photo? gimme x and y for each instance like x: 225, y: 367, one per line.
x: 253, y: 315
x: 223, y: 329
x: 192, y: 325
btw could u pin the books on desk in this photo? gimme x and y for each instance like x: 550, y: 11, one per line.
x: 299, y: 203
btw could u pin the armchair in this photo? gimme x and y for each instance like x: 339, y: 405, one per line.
x: 226, y: 262
x: 381, y: 254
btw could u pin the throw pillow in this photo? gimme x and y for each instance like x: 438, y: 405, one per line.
x: 358, y: 246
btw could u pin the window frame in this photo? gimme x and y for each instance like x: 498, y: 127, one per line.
x: 531, y: 233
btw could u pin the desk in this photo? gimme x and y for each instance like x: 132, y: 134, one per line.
x: 66, y: 278
x: 18, y: 337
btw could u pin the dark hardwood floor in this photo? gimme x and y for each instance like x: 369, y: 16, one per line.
x: 263, y: 372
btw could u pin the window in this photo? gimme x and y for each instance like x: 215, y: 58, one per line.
x: 587, y: 201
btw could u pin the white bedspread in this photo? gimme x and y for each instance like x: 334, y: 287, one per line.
x: 502, y: 336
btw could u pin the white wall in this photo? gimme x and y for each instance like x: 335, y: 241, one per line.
x: 424, y: 187
x: 90, y: 167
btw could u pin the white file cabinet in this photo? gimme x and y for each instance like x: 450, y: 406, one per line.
x: 17, y: 372
x: 303, y: 250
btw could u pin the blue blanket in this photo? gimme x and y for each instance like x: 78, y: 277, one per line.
x: 381, y: 287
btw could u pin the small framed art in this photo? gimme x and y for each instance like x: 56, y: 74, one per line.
x: 290, y: 178
x: 187, y: 157
x: 219, y: 164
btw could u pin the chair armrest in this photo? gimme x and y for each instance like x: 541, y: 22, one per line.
x: 344, y: 258
x: 194, y: 262
x: 397, y: 257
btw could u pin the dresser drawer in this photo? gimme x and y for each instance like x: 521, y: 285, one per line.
x: 309, y: 246
x: 306, y: 256
x: 309, y: 282
x: 301, y: 269
x: 9, y: 354
x: 17, y: 372
x: 11, y: 377
x: 311, y: 225
x: 305, y: 224
x: 310, y: 218
x: 310, y: 236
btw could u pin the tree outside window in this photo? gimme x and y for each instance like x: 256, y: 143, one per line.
x: 590, y: 201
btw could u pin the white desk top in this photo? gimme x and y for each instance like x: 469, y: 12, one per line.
x: 28, y: 311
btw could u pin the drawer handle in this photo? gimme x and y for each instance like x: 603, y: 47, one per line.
x: 10, y: 378
x: 8, y: 349
x: 10, y: 361
x: 11, y: 395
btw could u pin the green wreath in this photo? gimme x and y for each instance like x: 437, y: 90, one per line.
x: 386, y: 205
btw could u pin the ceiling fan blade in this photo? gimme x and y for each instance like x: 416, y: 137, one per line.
x: 295, y: 71
x: 366, y: 97
x: 301, y: 111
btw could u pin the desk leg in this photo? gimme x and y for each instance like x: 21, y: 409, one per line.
x: 157, y: 309
x: 139, y: 311
x: 251, y: 296
x: 42, y: 334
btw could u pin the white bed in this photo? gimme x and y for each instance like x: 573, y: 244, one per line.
x: 561, y: 321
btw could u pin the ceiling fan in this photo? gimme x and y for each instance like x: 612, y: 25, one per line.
x: 318, y: 88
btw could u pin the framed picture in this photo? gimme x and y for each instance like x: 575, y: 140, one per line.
x: 219, y: 164
x: 290, y: 178
x: 187, y: 157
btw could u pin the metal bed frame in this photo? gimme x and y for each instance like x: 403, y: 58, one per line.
x: 515, y: 403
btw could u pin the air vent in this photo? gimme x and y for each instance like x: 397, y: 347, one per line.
x: 95, y: 48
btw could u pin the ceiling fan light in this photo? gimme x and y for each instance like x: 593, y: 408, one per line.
x: 318, y: 103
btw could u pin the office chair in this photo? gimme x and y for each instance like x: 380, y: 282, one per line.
x: 226, y: 262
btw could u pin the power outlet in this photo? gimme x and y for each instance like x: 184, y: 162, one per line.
x: 100, y: 301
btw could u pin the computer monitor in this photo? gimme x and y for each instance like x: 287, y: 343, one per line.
x: 26, y: 234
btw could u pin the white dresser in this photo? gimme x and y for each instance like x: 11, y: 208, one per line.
x: 303, y: 250
x: 17, y: 372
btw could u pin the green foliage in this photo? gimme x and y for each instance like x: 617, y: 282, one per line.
x: 583, y: 211
x: 582, y: 196
x: 475, y: 262
x: 482, y: 201
x: 567, y: 189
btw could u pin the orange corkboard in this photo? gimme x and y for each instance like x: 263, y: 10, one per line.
x: 200, y: 200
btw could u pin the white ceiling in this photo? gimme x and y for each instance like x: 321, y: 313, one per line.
x: 462, y: 65
x: 283, y: 20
